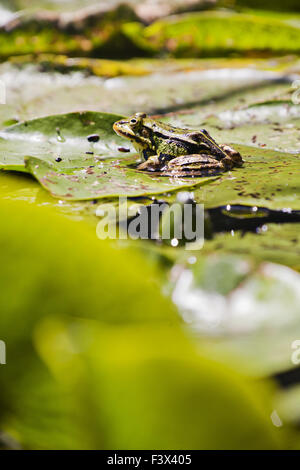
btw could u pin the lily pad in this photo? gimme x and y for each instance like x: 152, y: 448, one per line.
x: 78, y: 156
x: 62, y: 137
x: 203, y: 34
x: 277, y: 243
x: 267, y: 125
x: 110, y: 178
x: 197, y: 88
x: 267, y: 178
x: 79, y: 32
x: 64, y: 64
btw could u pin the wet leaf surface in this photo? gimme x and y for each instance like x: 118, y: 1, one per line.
x: 35, y: 93
x: 267, y: 178
x: 109, y: 178
x: 78, y: 156
x: 54, y: 137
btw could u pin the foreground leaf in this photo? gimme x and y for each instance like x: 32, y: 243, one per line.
x: 101, y: 346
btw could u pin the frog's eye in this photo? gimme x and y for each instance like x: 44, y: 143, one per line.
x: 133, y: 121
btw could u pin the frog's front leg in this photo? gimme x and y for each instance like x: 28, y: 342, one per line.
x: 152, y: 164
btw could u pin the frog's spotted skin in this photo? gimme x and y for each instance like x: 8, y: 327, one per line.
x: 173, y: 151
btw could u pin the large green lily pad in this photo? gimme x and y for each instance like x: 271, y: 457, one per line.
x: 110, y: 178
x: 267, y: 178
x: 201, y: 86
x: 56, y: 150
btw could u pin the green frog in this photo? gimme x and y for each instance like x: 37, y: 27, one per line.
x: 172, y: 151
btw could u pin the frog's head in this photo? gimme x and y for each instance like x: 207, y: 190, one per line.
x: 134, y: 129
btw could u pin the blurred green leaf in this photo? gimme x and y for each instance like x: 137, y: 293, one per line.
x: 185, y: 400
x: 203, y: 34
x: 75, y: 383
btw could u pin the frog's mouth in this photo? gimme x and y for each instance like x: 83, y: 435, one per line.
x: 123, y: 129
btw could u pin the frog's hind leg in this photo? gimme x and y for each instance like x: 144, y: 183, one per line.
x: 197, y: 165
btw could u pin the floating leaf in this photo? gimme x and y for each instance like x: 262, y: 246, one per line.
x: 65, y: 64
x: 267, y: 178
x: 197, y: 88
x: 78, y: 156
x: 109, y: 178
x: 79, y: 32
x: 203, y: 34
x: 62, y: 137
x: 276, y: 243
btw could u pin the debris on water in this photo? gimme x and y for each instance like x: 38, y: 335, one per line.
x: 89, y: 153
x: 93, y: 138
x: 58, y: 159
